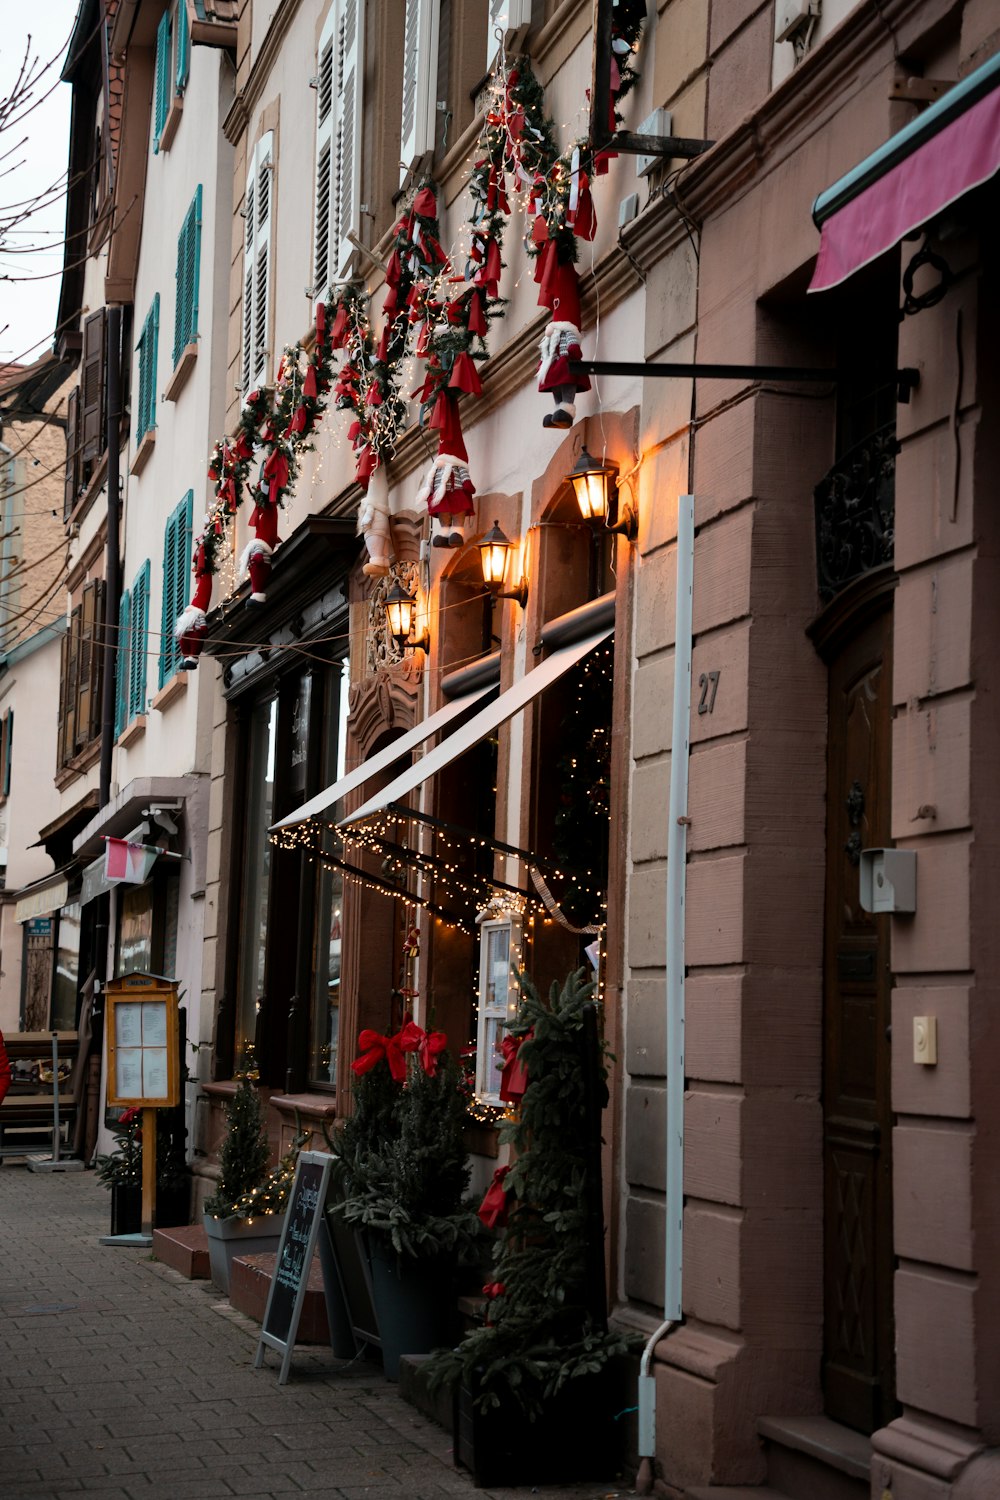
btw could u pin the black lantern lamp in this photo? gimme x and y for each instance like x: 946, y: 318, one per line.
x: 596, y: 485
x: 400, y: 611
x: 495, y: 550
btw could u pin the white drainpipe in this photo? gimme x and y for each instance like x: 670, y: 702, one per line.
x: 676, y: 885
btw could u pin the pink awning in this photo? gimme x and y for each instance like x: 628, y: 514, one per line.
x: 962, y: 155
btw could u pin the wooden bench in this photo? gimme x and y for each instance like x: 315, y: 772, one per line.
x: 26, y: 1113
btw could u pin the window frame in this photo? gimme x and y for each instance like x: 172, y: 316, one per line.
x: 342, y: 129
x: 420, y: 63
x: 258, y: 265
x: 494, y: 1012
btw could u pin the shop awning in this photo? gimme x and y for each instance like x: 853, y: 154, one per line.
x: 383, y: 759
x: 481, y: 724
x: 42, y: 897
x: 953, y: 147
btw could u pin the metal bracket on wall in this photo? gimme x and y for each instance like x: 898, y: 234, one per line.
x: 907, y: 379
x: 602, y: 137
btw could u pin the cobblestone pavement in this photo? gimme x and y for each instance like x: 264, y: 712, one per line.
x: 121, y: 1379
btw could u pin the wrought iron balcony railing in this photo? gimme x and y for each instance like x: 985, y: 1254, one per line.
x: 856, y: 513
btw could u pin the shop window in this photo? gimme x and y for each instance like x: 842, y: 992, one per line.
x: 81, y: 675
x: 176, y: 570
x: 188, y: 261
x: 258, y: 207
x: 145, y: 416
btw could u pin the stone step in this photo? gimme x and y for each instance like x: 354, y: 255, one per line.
x: 814, y: 1458
x: 250, y: 1282
x: 439, y: 1406
x: 185, y: 1249
x: 732, y: 1492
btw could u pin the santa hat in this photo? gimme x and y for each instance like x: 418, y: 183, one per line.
x: 446, y: 420
x: 256, y: 561
x: 565, y: 298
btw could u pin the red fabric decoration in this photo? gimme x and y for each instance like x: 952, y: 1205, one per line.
x: 309, y: 389
x: 477, y: 315
x: 374, y: 1047
x: 494, y: 267
x: 259, y: 568
x: 493, y: 1209
x: 338, y: 333
x: 586, y: 219
x: 320, y: 317
x: 202, y: 596
x: 425, y: 203
x: 366, y: 465
x: 446, y: 419
x: 465, y: 376
x: 300, y: 417
x: 545, y: 271
x: 276, y: 473
x: 264, y: 520
x: 514, y: 1078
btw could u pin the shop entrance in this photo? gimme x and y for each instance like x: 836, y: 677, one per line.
x: 858, y: 1373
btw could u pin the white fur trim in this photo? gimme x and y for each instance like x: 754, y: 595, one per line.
x: 254, y: 548
x: 192, y: 618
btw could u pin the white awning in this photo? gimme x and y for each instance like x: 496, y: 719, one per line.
x: 482, y: 724
x: 383, y: 759
x: 44, y: 896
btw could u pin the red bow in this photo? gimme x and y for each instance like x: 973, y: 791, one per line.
x: 514, y: 1078
x: 427, y: 1044
x: 375, y: 1047
x: 493, y: 1209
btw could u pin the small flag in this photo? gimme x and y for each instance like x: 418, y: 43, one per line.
x: 130, y: 863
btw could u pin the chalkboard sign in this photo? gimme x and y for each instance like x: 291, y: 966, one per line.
x: 295, y: 1253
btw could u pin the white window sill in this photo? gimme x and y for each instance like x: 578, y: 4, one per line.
x: 171, y: 123
x: 175, y: 687
x: 132, y: 732
x: 143, y: 451
x: 182, y: 371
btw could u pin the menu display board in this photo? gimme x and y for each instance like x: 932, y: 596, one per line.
x: 142, y: 1042
x: 295, y: 1252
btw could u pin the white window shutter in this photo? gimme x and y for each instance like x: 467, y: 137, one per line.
x: 264, y: 156
x: 348, y: 97
x: 326, y: 116
x: 249, y: 210
x: 505, y: 15
x: 420, y: 47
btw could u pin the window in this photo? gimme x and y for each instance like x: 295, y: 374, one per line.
x: 505, y: 15
x: 188, y: 260
x: 176, y: 567
x: 420, y: 54
x: 257, y: 263
x: 6, y: 751
x: 173, y: 62
x: 133, y: 629
x: 92, y: 386
x: 339, y: 99
x: 82, y: 675
x: 499, y: 956
x: 145, y: 416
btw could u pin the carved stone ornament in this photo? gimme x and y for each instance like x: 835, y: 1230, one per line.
x: 381, y: 650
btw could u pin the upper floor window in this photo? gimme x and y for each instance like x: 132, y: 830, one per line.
x: 257, y: 213
x: 145, y: 416
x: 81, y: 675
x: 420, y: 58
x: 188, y: 261
x: 133, y: 633
x: 86, y: 437
x: 6, y: 751
x: 339, y: 100
x: 176, y: 568
x: 173, y: 61
x: 505, y: 15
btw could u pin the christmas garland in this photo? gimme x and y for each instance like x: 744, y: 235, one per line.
x: 516, y: 155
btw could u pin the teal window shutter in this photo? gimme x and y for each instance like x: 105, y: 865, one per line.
x: 139, y: 633
x: 155, y: 315
x: 183, y: 48
x: 148, y: 343
x: 176, y: 567
x: 122, y: 674
x: 162, y: 95
x: 188, y: 265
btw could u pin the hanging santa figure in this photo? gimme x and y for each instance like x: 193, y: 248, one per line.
x: 373, y: 524
x: 559, y: 344
x: 447, y: 487
x: 192, y: 625
x: 257, y: 554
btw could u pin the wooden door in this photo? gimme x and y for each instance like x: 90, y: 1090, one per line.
x: 857, y: 1119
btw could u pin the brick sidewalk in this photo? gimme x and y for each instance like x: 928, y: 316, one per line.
x: 123, y: 1380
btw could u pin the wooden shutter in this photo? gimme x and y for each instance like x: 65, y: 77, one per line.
x: 72, y: 452
x: 183, y: 48
x: 71, y: 680
x: 98, y: 612
x: 61, y: 755
x: 88, y: 673
x: 92, y: 385
x: 123, y: 669
x: 138, y: 637
x: 325, y: 120
x: 162, y: 97
x: 188, y: 258
x: 348, y: 95
x: 420, y: 47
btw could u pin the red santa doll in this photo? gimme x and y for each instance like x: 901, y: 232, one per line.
x: 559, y: 344
x: 192, y: 624
x: 447, y: 487
x: 257, y: 554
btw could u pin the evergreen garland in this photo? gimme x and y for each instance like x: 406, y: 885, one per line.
x: 542, y: 1330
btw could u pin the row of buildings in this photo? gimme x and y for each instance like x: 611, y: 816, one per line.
x: 820, y: 1301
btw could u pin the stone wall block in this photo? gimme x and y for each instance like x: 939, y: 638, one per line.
x: 944, y: 1089
x: 713, y: 1027
x: 932, y: 1195
x: 782, y: 1028
x: 933, y: 343
x: 936, y: 939
x: 662, y: 478
x: 650, y: 793
x: 933, y: 621
x: 782, y: 1304
x: 930, y: 768
x: 714, y: 1145
x: 647, y: 904
x: 680, y: 47
x: 724, y: 704
x: 717, y: 792
x: 723, y: 459
x: 645, y: 1136
x: 643, y: 1261
x: 645, y: 1028
x: 782, y: 1146
x: 713, y: 1239
x: 671, y: 302
x: 714, y: 927
x: 652, y: 706
x: 740, y: 77
x: 934, y: 493
x: 936, y: 1343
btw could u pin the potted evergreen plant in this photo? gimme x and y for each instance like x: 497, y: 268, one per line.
x: 534, y: 1402
x: 121, y: 1171
x: 240, y: 1219
x: 402, y: 1177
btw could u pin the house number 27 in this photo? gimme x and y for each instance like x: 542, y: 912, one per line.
x: 709, y: 684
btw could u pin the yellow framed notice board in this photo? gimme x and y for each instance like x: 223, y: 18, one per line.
x: 142, y: 1042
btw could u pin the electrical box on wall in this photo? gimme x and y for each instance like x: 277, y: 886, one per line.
x: 660, y: 122
x: 888, y: 880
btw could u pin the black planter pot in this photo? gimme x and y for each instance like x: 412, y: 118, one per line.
x: 575, y: 1438
x: 173, y: 1205
x: 414, y: 1300
x: 126, y: 1208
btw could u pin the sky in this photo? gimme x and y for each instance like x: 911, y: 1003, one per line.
x: 33, y: 156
